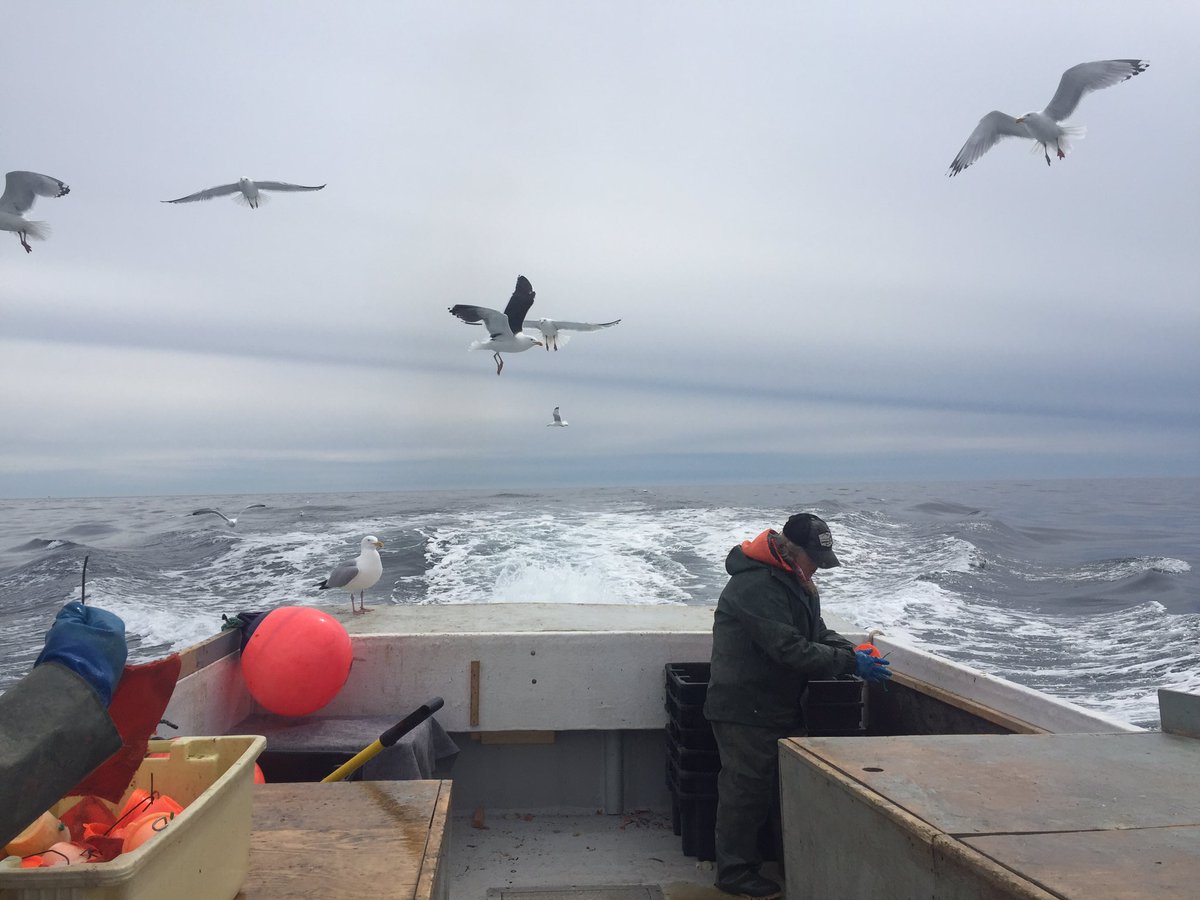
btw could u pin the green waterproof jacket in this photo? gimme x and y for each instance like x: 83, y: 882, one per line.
x: 768, y: 641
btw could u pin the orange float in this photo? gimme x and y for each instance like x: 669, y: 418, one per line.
x: 296, y: 660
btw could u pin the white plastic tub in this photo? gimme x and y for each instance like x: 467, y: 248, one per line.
x: 203, y: 854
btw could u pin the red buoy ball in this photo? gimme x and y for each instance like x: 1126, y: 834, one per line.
x: 296, y: 660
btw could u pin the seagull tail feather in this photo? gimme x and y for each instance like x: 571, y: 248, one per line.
x: 38, y: 231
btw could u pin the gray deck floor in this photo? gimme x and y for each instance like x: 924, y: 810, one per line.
x: 520, y: 850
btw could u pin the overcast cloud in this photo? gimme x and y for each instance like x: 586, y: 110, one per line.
x: 758, y: 190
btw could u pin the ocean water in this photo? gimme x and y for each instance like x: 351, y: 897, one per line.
x: 1087, y: 590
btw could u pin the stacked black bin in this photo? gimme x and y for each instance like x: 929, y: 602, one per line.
x: 692, y: 759
x: 835, y: 707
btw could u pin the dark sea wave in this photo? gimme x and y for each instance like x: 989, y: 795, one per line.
x: 1088, y: 590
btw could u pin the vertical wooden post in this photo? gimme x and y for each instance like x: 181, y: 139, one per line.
x: 475, y: 693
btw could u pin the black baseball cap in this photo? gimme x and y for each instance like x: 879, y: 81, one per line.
x: 812, y: 534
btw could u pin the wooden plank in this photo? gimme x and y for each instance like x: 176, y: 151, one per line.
x: 345, y: 839
x: 474, y: 720
x: 432, y: 882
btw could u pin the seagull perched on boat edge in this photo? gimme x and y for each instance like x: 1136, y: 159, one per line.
x: 20, y: 190
x: 358, y: 574
x: 231, y: 521
x: 249, y: 192
x: 504, y: 328
x: 1043, y: 127
x: 551, y: 327
x: 557, y: 420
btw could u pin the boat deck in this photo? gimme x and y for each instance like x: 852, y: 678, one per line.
x: 591, y: 857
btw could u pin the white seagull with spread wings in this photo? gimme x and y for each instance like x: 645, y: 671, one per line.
x: 504, y: 328
x: 20, y: 190
x: 248, y: 192
x: 231, y: 521
x: 557, y: 420
x: 358, y: 574
x: 551, y: 327
x: 1043, y: 126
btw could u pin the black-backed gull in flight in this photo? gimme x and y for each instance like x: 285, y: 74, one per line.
x: 504, y: 328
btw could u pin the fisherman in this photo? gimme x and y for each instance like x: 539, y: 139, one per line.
x: 54, y: 723
x: 768, y: 641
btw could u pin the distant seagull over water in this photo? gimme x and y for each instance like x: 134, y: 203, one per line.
x: 231, y: 521
x: 248, y: 192
x: 504, y: 328
x: 551, y: 327
x: 358, y: 574
x: 1043, y: 126
x: 557, y: 420
x: 20, y: 190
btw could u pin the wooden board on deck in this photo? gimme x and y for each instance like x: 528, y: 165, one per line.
x: 348, y: 839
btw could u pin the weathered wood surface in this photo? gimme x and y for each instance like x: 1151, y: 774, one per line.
x: 348, y: 839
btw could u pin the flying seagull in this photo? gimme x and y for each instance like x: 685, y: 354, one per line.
x: 504, y: 328
x: 249, y: 192
x: 230, y: 520
x: 358, y: 574
x: 20, y: 190
x: 1043, y: 126
x: 551, y: 327
x: 557, y: 420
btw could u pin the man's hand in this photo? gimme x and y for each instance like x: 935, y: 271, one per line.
x: 91, y: 643
x: 871, y: 668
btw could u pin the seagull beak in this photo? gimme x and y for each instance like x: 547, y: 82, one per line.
x: 539, y: 343
x: 1019, y: 120
x: 378, y: 544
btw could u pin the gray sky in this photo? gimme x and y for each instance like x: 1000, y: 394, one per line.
x: 758, y: 190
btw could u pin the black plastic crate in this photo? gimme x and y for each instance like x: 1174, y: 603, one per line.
x: 692, y: 738
x: 848, y: 689
x: 695, y: 818
x: 686, y: 716
x: 688, y: 682
x: 839, y: 732
x: 692, y: 760
x: 690, y: 782
x: 823, y: 717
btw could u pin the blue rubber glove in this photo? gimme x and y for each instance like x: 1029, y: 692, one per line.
x: 91, y: 643
x: 871, y: 668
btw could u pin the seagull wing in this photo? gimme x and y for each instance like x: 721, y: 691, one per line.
x: 20, y: 189
x: 495, y: 321
x: 216, y: 512
x: 991, y: 128
x: 207, y: 194
x: 1086, y: 77
x: 559, y: 325
x: 342, y: 575
x: 284, y: 186
x: 519, y: 303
